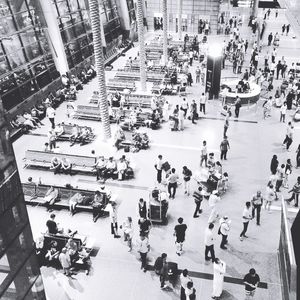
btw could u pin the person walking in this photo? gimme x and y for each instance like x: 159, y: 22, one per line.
x: 247, y: 216
x: 172, y: 183
x: 224, y: 146
x: 257, y: 202
x: 179, y: 233
x: 283, y: 29
x: 237, y: 106
x: 202, y: 103
x: 280, y: 177
x: 128, y: 232
x: 209, y: 242
x: 187, y: 174
x: 161, y: 269
x: 198, y: 74
x: 251, y: 281
x: 50, y: 113
x: 287, y: 173
x: 219, y: 271
x: 113, y: 215
x: 194, y: 111
x: 213, y: 200
x: 203, y: 154
x: 270, y: 38
x: 226, y: 125
x: 184, y: 106
x: 143, y: 247
x: 190, y: 291
x: 142, y: 209
x: 296, y: 192
x: 270, y: 196
x: 184, y: 279
x: 198, y: 198
x: 298, y: 157
x: 274, y: 164
x: 158, y: 167
x: 224, y: 231
x: 65, y: 261
x: 283, y: 109
x: 288, y: 29
x: 290, y: 138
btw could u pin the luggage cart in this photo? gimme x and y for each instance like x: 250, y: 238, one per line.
x: 158, y: 206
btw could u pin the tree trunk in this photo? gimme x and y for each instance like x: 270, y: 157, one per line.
x: 140, y: 24
x: 165, y: 29
x: 99, y: 64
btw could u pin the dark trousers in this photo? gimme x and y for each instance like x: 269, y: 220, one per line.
x: 203, y: 159
x: 182, y: 294
x: 243, y: 233
x: 162, y: 279
x: 185, y: 111
x: 144, y: 260
x: 288, y: 143
x: 285, y: 139
x: 278, y: 184
x: 225, y: 131
x: 52, y: 144
x: 197, y: 209
x: 298, y: 159
x: 114, y: 227
x: 282, y: 117
x: 159, y: 176
x: 295, y: 196
x: 193, y: 117
x: 224, y: 154
x: 52, y: 122
x: 96, y: 211
x: 237, y: 111
x: 224, y: 240
x: 256, y: 208
x: 211, y: 250
x: 172, y: 189
x: 202, y: 107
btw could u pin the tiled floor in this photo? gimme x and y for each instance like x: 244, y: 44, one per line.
x: 116, y: 273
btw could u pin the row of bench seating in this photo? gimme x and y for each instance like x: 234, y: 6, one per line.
x: 120, y: 85
x: 135, y: 76
x: 89, y: 112
x: 34, y: 195
x: 68, y: 130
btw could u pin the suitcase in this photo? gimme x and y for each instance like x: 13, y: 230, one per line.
x: 172, y: 270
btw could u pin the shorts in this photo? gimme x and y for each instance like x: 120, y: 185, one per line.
x: 250, y: 293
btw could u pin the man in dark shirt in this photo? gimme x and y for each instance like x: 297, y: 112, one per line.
x: 145, y: 226
x: 179, y: 233
x: 142, y: 208
x: 251, y: 281
x: 198, y: 197
x: 51, y: 224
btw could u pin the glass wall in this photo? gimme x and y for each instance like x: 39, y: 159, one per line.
x: 26, y: 64
x: 131, y: 10
x: 75, y: 28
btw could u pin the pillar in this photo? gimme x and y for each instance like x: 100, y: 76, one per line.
x: 179, y: 4
x: 140, y: 18
x: 165, y: 31
x: 54, y: 37
x: 255, y: 8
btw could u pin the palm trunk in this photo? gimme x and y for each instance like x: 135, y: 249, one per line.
x: 165, y: 29
x: 99, y: 64
x: 140, y: 24
x: 179, y: 3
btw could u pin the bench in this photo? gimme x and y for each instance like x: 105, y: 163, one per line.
x: 41, y: 159
x: 68, y: 130
x: 34, y: 195
x: 121, y: 84
x: 135, y: 76
x: 89, y: 112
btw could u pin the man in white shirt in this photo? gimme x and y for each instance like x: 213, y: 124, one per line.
x: 158, y: 167
x: 209, y: 243
x: 110, y: 168
x: 203, y: 154
x: 247, y: 216
x: 224, y: 230
x: 113, y: 219
x: 121, y: 167
x: 50, y: 112
x: 143, y: 247
x: 202, y: 103
x: 213, y: 200
x: 184, y: 279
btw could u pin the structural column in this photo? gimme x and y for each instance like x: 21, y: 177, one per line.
x: 255, y: 8
x: 165, y: 31
x: 140, y: 17
x: 54, y: 37
x: 179, y: 5
x: 99, y: 63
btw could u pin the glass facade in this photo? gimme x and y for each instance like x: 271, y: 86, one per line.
x: 131, y: 11
x: 75, y: 28
x: 19, y: 270
x: 26, y: 64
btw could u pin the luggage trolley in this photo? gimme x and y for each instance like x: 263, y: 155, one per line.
x: 158, y: 206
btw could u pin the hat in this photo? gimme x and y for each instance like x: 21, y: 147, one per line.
x: 225, y: 217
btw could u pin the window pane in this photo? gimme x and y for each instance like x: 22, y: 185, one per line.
x: 62, y: 8
x: 73, y: 5
x: 17, y: 6
x: 4, y: 11
x: 79, y: 29
x: 23, y: 20
x: 43, y: 79
x: 27, y: 89
x: 7, y: 83
x: 16, y: 59
x: 11, y: 99
x: 82, y: 4
x: 3, y: 65
x: 76, y: 17
x: 22, y: 75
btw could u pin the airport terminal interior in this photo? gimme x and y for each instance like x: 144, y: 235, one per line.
x: 149, y: 149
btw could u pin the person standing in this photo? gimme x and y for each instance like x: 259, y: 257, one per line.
x: 198, y: 198
x: 288, y: 29
x: 202, y: 103
x: 237, y: 106
x: 224, y: 146
x: 184, y: 279
x: 172, y: 183
x: 198, y: 74
x: 274, y: 164
x: 270, y: 38
x: 247, y: 216
x: 283, y: 29
x: 298, y: 157
x: 251, y: 281
x: 219, y: 271
x: 226, y: 125
x: 270, y: 196
x: 257, y: 202
x: 193, y: 111
x: 280, y: 177
x: 290, y: 138
x: 65, y: 261
x: 283, y: 109
x: 213, y: 200
x: 158, y: 167
x: 143, y: 247
x: 50, y: 113
x: 203, y: 154
x: 142, y: 209
x: 128, y: 232
x: 190, y: 291
x: 187, y: 174
x: 287, y: 172
x: 179, y: 233
x: 224, y: 231
x: 209, y: 243
x: 113, y: 219
x: 296, y: 192
x: 161, y: 269
x: 184, y: 106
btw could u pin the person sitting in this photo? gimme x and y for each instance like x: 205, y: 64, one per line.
x: 111, y: 167
x: 84, y: 135
x: 76, y: 199
x: 72, y: 249
x: 211, y: 162
x: 55, y: 164
x: 75, y: 134
x: 119, y: 137
x: 84, y: 256
x: 224, y: 183
x: 218, y: 168
x: 52, y: 254
x: 66, y: 166
x: 52, y: 225
x: 155, y: 119
x: 121, y: 168
x: 50, y: 198
x: 26, y: 122
x: 100, y: 167
x: 98, y: 205
x: 36, y: 122
x: 35, y: 115
x: 59, y: 130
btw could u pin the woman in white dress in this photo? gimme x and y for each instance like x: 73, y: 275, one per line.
x: 219, y: 271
